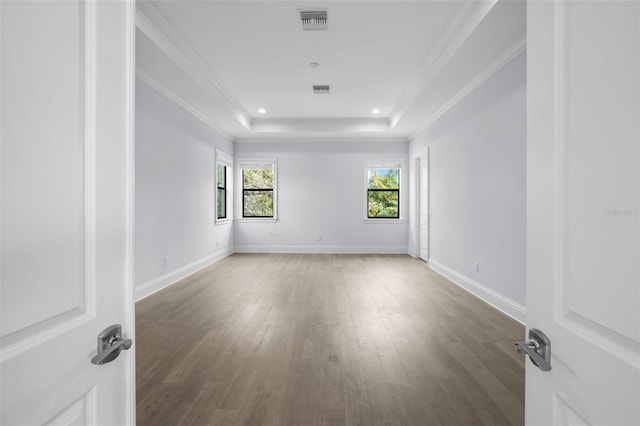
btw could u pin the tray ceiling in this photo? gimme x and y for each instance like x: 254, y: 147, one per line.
x: 409, y: 60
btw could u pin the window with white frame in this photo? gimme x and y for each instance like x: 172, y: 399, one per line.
x: 224, y: 194
x: 259, y: 189
x: 383, y: 179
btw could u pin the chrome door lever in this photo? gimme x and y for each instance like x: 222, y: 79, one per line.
x: 110, y: 344
x: 538, y: 347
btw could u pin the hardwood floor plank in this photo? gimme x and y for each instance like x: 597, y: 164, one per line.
x: 325, y: 339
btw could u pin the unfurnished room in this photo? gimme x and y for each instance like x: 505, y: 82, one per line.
x: 320, y: 212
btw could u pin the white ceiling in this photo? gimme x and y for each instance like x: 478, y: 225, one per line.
x: 412, y: 60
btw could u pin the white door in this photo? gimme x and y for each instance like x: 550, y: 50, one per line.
x: 423, y: 161
x: 67, y: 80
x: 583, y: 225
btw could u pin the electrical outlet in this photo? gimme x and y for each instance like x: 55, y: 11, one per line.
x: 165, y: 261
x: 477, y: 267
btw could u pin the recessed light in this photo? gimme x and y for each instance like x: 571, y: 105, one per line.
x: 262, y: 111
x: 314, y: 64
x: 376, y: 111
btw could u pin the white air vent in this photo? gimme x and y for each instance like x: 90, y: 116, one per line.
x: 313, y: 20
x: 321, y: 89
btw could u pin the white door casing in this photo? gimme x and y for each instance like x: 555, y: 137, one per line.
x: 67, y: 83
x: 583, y: 217
x: 424, y: 205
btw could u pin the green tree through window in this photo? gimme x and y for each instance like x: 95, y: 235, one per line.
x: 222, y: 191
x: 383, y: 193
x: 257, y: 192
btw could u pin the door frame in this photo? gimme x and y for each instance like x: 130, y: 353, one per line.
x: 130, y: 198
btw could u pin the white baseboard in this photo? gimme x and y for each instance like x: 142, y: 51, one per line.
x: 323, y: 249
x: 498, y: 301
x: 157, y: 284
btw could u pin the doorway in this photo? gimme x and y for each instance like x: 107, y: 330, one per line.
x: 422, y: 177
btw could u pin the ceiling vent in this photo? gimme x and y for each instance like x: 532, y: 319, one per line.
x: 321, y: 89
x: 313, y: 20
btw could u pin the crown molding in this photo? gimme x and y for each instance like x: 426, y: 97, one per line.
x: 507, y: 56
x: 167, y: 93
x: 329, y: 125
x: 460, y: 29
x: 153, y: 23
x: 276, y: 138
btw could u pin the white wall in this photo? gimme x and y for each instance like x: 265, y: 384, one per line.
x: 477, y: 189
x: 175, y: 209
x: 477, y: 193
x: 321, y: 193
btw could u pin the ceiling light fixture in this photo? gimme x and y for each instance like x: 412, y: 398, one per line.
x: 314, y: 64
x: 376, y: 111
x: 262, y: 111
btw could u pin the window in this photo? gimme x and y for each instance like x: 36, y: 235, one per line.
x: 222, y: 191
x: 223, y: 195
x: 258, y: 189
x: 383, y: 190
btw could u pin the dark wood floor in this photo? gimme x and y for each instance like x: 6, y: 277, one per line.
x: 321, y: 339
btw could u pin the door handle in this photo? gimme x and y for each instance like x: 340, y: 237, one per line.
x: 110, y: 344
x: 538, y: 347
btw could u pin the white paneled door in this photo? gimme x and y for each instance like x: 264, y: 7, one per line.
x: 583, y: 192
x: 423, y: 176
x: 67, y: 75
